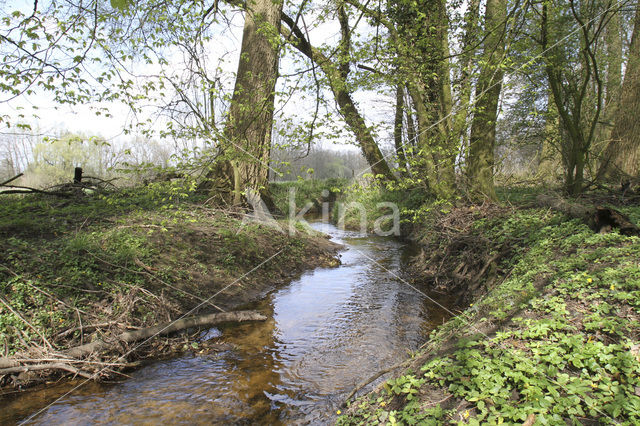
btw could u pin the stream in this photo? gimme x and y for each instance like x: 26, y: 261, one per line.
x: 327, y: 331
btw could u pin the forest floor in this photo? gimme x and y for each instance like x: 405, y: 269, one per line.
x: 549, y: 326
x: 73, y: 270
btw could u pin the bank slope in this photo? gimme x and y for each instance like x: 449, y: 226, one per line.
x: 92, y: 267
x: 554, y: 340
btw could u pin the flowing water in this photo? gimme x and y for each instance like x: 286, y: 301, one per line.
x: 327, y: 331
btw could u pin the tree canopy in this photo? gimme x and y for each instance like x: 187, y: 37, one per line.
x: 431, y: 92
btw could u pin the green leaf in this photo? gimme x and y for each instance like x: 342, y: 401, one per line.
x: 120, y: 4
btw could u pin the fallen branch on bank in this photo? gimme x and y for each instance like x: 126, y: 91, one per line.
x: 67, y: 190
x: 89, y: 327
x: 39, y: 367
x: 15, y: 189
x: 12, y: 179
x: 8, y: 362
x: 163, y: 330
x: 598, y: 218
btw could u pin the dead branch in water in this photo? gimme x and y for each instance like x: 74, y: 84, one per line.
x: 71, y: 358
x: 164, y: 329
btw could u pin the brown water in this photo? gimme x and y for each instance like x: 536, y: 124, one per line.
x: 327, y: 332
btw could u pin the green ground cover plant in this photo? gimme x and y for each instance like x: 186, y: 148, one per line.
x: 555, y: 342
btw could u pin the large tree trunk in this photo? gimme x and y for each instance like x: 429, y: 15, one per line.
x: 418, y: 33
x: 446, y: 158
x: 247, y: 146
x: 621, y: 159
x: 613, y: 84
x: 423, y: 49
x: 480, y: 159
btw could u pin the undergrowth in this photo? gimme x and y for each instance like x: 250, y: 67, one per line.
x: 363, y: 206
x: 311, y: 191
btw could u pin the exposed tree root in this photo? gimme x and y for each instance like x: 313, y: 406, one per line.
x: 455, y: 259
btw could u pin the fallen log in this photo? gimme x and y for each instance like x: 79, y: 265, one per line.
x: 164, y: 329
x: 598, y: 218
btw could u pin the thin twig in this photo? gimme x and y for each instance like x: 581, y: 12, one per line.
x: 44, y: 339
x: 81, y: 329
x: 11, y: 180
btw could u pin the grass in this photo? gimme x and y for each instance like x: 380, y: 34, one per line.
x: 555, y: 342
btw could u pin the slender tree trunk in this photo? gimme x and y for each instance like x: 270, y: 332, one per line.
x: 348, y: 110
x: 480, y: 159
x: 570, y: 98
x: 355, y: 121
x: 550, y: 154
x: 248, y: 130
x: 459, y: 129
x: 622, y: 154
x: 397, y: 129
x: 411, y: 126
x: 613, y: 80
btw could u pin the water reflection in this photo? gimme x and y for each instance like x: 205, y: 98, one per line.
x: 327, y: 331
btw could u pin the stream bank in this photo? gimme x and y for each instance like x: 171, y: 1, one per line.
x: 550, y: 333
x: 92, y: 267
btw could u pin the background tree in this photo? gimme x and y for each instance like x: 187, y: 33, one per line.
x: 621, y: 158
x: 480, y: 159
x: 574, y: 77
